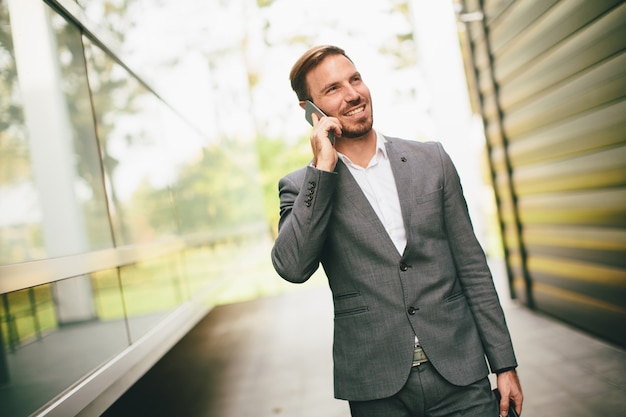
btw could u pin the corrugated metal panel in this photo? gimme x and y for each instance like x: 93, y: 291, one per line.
x: 550, y: 77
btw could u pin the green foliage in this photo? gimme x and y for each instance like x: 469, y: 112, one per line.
x: 264, y: 3
x: 212, y: 193
x: 277, y: 158
x: 402, y: 7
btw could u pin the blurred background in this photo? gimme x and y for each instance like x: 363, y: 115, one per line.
x: 141, y: 142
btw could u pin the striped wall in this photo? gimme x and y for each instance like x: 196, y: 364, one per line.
x: 549, y: 78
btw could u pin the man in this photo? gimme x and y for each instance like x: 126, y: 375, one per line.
x: 416, y: 311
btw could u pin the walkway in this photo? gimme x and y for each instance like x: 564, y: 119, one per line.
x: 272, y: 357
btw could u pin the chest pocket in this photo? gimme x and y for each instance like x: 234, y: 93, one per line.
x: 427, y: 218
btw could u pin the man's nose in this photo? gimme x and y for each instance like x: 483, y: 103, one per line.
x: 352, y: 94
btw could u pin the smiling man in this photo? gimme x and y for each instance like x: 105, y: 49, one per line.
x: 418, y: 323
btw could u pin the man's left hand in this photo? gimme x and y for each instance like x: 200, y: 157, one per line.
x: 510, y: 390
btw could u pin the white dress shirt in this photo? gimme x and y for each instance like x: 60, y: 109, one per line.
x: 379, y: 186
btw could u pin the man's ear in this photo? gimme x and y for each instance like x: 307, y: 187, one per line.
x: 303, y: 105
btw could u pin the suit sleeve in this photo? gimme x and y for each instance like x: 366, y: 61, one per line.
x: 306, y: 200
x: 473, y: 272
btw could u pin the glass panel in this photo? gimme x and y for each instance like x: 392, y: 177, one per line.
x: 39, y: 355
x: 162, y: 181
x: 173, y: 57
x: 52, y: 199
x: 215, y: 194
x: 164, y: 178
x: 107, y: 295
x: 152, y: 289
x: 89, y: 184
x: 206, y: 268
x: 202, y: 267
x: 141, y: 153
x: 210, y: 271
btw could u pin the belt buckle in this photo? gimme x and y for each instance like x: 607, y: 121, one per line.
x: 419, y: 356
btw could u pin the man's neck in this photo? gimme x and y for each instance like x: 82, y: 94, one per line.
x: 359, y: 150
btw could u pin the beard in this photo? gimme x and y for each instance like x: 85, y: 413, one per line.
x: 359, y: 129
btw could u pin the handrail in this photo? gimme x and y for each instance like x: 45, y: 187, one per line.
x: 23, y: 275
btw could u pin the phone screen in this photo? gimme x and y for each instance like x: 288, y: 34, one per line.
x: 311, y: 108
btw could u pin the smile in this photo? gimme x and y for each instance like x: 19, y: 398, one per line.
x: 356, y: 111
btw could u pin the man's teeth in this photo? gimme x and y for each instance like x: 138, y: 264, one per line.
x: 355, y: 111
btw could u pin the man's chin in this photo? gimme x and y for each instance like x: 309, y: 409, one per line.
x: 357, y: 132
x: 353, y: 135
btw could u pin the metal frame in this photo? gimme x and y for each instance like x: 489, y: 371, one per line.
x: 19, y: 276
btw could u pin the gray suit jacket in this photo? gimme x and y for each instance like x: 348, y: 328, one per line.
x: 439, y: 289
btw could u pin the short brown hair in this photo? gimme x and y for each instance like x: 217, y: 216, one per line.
x: 309, y: 60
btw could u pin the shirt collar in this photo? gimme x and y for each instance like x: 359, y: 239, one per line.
x: 380, y: 145
x: 381, y: 151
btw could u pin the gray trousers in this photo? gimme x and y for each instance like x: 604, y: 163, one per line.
x: 428, y: 394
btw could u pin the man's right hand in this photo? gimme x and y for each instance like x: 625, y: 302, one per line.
x: 324, y: 153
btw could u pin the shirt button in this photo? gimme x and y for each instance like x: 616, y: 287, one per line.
x: 404, y: 267
x: 411, y: 310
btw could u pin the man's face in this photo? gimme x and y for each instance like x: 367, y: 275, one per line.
x: 337, y: 89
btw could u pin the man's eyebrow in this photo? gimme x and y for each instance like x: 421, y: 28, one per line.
x: 327, y: 86
x: 334, y: 83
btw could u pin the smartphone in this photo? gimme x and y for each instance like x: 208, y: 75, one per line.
x: 311, y: 108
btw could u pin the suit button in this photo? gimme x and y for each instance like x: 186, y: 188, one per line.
x: 411, y: 310
x: 404, y: 267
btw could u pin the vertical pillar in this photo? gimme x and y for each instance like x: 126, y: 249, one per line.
x: 51, y: 149
x: 439, y: 57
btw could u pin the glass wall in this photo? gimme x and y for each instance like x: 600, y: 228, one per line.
x: 118, y: 214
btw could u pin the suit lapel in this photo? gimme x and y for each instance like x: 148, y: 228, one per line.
x: 401, y: 166
x: 351, y: 191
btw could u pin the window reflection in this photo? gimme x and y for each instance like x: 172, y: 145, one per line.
x: 152, y: 289
x: 27, y: 315
x: 89, y: 183
x: 172, y: 56
x: 107, y: 295
x: 140, y: 158
x: 96, y: 165
x: 20, y: 215
x: 52, y: 199
x: 41, y: 355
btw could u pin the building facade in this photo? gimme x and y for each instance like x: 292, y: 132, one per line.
x: 549, y: 78
x: 122, y: 214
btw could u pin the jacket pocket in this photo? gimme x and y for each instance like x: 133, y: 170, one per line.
x: 347, y: 295
x: 427, y: 214
x: 455, y: 297
x: 351, y: 312
x: 349, y: 304
x: 433, y: 195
